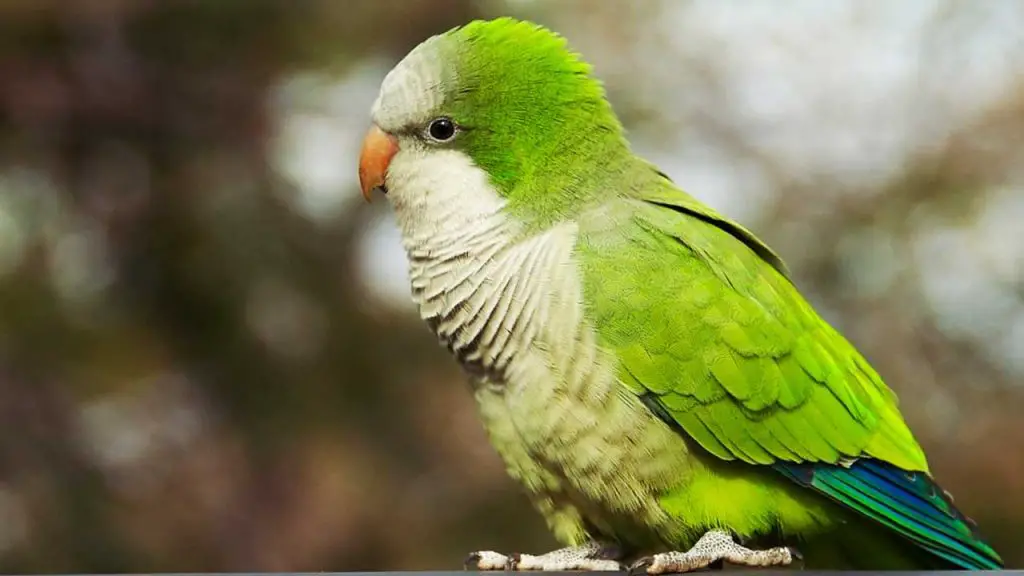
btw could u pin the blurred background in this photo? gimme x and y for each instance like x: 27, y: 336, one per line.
x: 208, y: 356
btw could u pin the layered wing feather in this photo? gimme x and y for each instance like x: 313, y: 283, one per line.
x: 712, y: 334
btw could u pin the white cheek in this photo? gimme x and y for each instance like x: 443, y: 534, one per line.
x: 440, y: 193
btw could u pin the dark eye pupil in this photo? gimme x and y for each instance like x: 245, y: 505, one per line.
x: 442, y: 129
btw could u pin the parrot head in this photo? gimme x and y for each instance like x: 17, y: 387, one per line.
x: 492, y: 117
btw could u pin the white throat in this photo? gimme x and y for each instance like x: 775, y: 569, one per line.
x: 442, y: 199
x: 486, y: 289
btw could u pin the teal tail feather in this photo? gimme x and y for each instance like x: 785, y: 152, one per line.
x: 910, y: 503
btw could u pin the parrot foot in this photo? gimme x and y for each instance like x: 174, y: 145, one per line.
x: 714, y: 547
x: 591, y: 557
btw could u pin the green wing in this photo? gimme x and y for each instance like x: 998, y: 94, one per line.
x: 714, y: 337
x: 709, y: 329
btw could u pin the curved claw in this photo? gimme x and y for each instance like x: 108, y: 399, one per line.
x: 798, y: 558
x: 639, y: 568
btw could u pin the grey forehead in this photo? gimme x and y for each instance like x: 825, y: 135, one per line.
x: 414, y: 89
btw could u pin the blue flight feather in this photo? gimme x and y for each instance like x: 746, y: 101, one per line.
x: 909, y: 503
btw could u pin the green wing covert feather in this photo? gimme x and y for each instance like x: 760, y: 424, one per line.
x: 671, y: 197
x: 713, y: 337
x: 723, y: 342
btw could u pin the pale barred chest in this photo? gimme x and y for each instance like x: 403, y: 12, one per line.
x: 506, y: 310
x: 548, y: 395
x: 511, y: 312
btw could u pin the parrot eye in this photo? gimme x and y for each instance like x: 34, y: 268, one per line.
x: 441, y: 130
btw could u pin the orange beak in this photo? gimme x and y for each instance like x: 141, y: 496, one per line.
x: 379, y: 148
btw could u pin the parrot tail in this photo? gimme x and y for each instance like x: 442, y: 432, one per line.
x: 910, y: 503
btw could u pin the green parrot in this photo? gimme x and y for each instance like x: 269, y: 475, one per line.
x: 643, y: 365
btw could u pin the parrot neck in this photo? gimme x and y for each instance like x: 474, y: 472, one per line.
x: 487, y: 295
x: 564, y: 186
x: 481, y: 278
